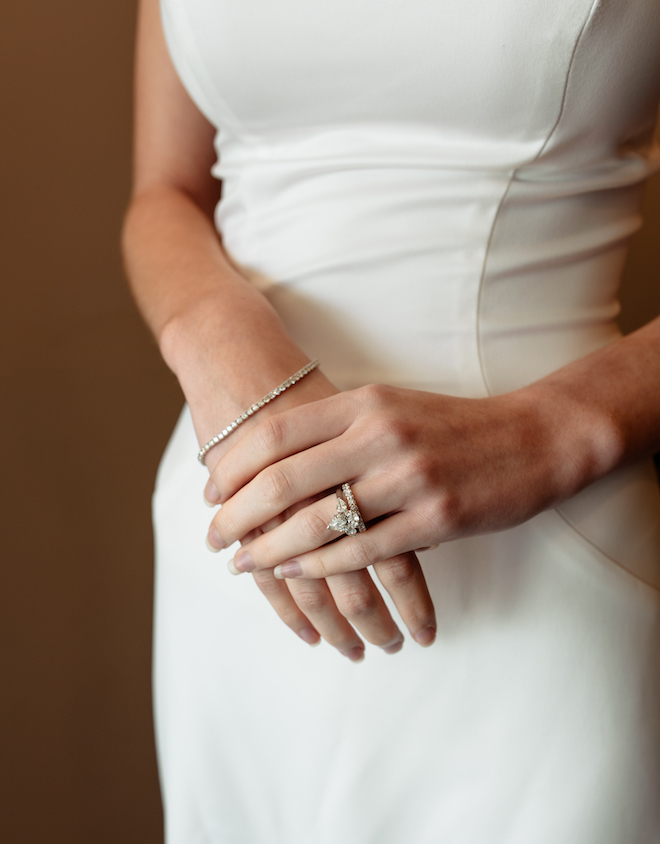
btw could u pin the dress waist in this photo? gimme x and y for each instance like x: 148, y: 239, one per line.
x: 465, y: 282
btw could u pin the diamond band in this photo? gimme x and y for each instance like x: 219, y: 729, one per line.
x: 348, y: 519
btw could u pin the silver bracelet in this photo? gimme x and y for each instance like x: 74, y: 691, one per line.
x: 204, y: 450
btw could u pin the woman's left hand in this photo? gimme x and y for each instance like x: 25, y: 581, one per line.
x: 424, y: 468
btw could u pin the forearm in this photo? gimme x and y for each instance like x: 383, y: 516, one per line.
x: 218, y: 334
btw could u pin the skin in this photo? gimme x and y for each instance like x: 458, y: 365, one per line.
x: 426, y: 467
x: 437, y: 467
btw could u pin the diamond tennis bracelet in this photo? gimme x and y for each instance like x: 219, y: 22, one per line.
x: 204, y: 450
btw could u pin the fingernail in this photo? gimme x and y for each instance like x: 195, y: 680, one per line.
x: 394, y: 648
x: 211, y: 495
x: 310, y: 636
x: 232, y: 568
x: 425, y: 637
x: 213, y: 540
x: 243, y: 561
x: 291, y: 569
x: 354, y: 654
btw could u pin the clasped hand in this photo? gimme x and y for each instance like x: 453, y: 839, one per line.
x: 424, y: 469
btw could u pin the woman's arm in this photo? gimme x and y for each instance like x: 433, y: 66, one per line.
x: 222, y: 339
x: 441, y: 467
x: 217, y: 333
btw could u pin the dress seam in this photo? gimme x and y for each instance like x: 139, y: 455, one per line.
x: 507, y: 189
x: 640, y: 580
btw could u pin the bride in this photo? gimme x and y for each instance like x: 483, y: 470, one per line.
x: 433, y: 201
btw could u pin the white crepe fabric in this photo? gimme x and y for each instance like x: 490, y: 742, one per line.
x: 437, y: 195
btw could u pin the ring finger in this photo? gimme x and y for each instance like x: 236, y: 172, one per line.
x: 306, y: 530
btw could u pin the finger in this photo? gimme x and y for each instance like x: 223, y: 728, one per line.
x: 404, y: 580
x: 282, y: 602
x: 309, y: 527
x: 314, y: 599
x: 276, y: 521
x: 305, y: 530
x: 275, y: 438
x: 269, y: 526
x: 280, y: 487
x: 379, y: 542
x: 360, y: 602
x: 356, y: 601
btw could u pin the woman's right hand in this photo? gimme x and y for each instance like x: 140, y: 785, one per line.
x: 344, y: 607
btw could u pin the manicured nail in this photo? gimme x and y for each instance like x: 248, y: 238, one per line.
x: 291, y: 569
x: 214, y: 541
x: 232, y: 568
x: 211, y: 495
x: 243, y: 562
x: 394, y: 648
x: 354, y: 654
x: 425, y: 637
x: 310, y: 636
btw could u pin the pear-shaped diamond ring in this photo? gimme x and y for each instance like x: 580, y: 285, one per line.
x: 348, y: 519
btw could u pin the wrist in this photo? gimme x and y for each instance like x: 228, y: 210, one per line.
x: 255, y: 407
x: 236, y: 356
x: 582, y: 439
x: 225, y: 365
x: 313, y: 387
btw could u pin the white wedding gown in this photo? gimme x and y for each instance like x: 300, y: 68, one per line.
x: 437, y: 195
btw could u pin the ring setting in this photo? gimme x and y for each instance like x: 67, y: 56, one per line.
x: 348, y: 519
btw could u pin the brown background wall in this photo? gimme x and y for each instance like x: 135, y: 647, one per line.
x: 86, y: 410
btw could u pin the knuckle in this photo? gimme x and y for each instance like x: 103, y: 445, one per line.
x: 320, y: 566
x: 446, y: 514
x: 270, y: 435
x: 226, y: 525
x: 276, y: 487
x: 312, y: 525
x: 399, y: 572
x: 374, y: 395
x: 391, y: 432
x: 270, y: 587
x: 356, y: 603
x: 309, y: 600
x: 362, y: 554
